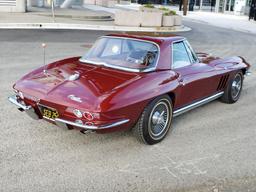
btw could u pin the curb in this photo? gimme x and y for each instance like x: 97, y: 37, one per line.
x: 91, y: 27
x: 77, y: 17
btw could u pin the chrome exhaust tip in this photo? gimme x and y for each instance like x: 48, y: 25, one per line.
x: 87, y: 131
x: 248, y: 73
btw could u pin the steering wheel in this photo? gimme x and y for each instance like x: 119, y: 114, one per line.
x: 141, y: 57
x: 149, y: 58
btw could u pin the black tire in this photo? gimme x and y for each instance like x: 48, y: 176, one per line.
x: 155, y: 121
x: 233, y: 90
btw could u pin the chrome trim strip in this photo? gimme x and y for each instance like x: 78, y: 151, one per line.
x: 91, y: 127
x: 176, y: 41
x: 116, y: 66
x: 125, y: 68
x: 42, y: 105
x: 197, y: 104
x: 49, y: 119
x: 13, y: 100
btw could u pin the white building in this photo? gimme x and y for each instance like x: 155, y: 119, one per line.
x: 47, y: 3
x: 236, y: 7
x: 12, y: 5
x: 20, y: 5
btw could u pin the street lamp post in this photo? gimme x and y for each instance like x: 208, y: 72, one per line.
x: 53, y: 11
x: 201, y: 5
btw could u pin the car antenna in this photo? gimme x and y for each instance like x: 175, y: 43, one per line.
x: 44, y: 46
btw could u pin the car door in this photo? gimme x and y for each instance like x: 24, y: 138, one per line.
x: 196, y: 79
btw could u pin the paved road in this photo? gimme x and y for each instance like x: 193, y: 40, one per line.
x: 209, y: 148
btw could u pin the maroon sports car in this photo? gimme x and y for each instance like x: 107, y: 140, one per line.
x: 129, y: 81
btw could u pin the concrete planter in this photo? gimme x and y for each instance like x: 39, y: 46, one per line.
x: 89, y: 2
x: 123, y: 2
x: 31, y: 3
x: 168, y: 21
x: 128, y: 18
x: 111, y: 3
x: 104, y: 3
x: 99, y: 2
x: 151, y: 19
x: 146, y: 19
x: 177, y: 20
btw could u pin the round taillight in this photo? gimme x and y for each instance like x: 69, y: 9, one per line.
x: 88, y: 116
x: 77, y: 113
x: 78, y: 121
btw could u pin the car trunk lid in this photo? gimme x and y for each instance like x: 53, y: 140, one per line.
x: 67, y: 83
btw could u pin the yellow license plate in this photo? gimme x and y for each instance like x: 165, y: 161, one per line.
x: 50, y: 113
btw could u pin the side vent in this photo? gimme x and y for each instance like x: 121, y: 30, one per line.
x: 223, y: 82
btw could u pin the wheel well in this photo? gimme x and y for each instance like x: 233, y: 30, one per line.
x: 244, y: 71
x: 172, y: 96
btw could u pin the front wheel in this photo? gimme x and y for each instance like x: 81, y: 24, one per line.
x: 233, y: 89
x: 155, y: 121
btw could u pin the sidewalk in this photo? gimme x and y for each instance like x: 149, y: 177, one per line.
x: 233, y: 22
x: 90, y: 18
x: 93, y: 17
x: 72, y: 16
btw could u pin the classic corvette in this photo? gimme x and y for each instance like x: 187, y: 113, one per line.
x: 129, y: 81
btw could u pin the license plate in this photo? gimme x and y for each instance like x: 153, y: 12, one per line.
x: 49, y: 113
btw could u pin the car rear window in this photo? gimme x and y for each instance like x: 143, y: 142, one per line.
x: 122, y: 52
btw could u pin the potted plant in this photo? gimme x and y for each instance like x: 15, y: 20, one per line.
x: 148, y: 8
x: 177, y: 19
x: 168, y: 17
x: 164, y: 9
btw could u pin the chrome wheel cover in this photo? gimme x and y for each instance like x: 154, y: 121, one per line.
x: 159, y: 119
x: 236, y: 86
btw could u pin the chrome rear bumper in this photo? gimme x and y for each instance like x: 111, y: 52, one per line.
x: 22, y: 107
x: 64, y: 123
x: 61, y: 122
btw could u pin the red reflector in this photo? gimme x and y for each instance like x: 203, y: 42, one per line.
x: 88, y: 115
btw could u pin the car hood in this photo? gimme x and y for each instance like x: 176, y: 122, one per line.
x: 57, y: 83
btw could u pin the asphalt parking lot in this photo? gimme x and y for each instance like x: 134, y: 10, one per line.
x: 211, y: 148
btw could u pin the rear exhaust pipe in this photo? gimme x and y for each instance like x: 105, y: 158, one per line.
x: 248, y: 73
x: 87, y: 131
x: 20, y: 109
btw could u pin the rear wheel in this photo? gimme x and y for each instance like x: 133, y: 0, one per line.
x: 155, y: 121
x: 233, y: 89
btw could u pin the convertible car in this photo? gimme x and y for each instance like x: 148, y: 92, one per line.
x: 129, y: 81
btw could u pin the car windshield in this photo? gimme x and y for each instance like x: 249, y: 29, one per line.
x: 122, y: 53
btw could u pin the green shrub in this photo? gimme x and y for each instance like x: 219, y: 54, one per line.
x: 164, y: 9
x: 171, y: 12
x: 149, y: 6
